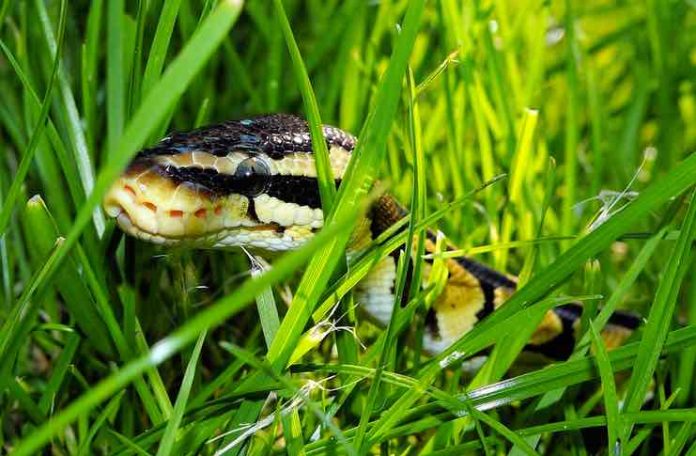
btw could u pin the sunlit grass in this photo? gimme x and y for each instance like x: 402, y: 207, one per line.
x: 551, y: 140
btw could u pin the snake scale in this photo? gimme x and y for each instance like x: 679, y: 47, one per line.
x: 252, y: 183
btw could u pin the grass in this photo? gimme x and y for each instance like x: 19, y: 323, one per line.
x: 586, y: 110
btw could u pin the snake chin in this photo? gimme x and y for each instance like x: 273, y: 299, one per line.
x: 222, y: 238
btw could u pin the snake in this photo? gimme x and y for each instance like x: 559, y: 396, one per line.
x: 253, y: 183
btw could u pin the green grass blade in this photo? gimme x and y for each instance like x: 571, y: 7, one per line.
x: 115, y: 74
x: 327, y: 186
x: 170, y: 433
x: 611, y: 400
x: 160, y: 45
x: 27, y: 157
x: 74, y: 123
x: 661, y: 312
x: 108, y: 412
x: 265, y: 303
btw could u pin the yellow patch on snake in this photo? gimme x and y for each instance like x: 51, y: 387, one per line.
x: 501, y: 294
x: 457, y: 306
x: 614, y: 336
x: 550, y: 327
x: 302, y: 164
x: 375, y: 291
x: 273, y: 210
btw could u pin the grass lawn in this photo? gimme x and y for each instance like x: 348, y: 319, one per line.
x: 550, y: 139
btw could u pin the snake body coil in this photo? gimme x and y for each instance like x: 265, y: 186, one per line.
x: 252, y: 183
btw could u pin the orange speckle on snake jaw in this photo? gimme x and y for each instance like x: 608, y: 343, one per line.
x: 129, y: 189
x: 176, y: 213
x: 200, y: 213
x: 150, y: 206
x: 218, y: 210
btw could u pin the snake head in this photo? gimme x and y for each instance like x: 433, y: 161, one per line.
x: 245, y: 183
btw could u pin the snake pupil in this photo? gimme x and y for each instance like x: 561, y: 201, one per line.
x: 252, y: 175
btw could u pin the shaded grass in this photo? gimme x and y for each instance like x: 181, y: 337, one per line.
x: 566, y: 98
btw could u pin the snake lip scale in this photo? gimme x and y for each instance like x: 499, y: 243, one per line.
x: 252, y: 183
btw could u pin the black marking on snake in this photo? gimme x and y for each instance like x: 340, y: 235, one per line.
x: 251, y: 210
x: 561, y: 346
x: 485, y: 274
x: 383, y: 214
x: 625, y: 319
x: 275, y: 135
x: 431, y: 322
x: 301, y: 190
x: 488, y: 300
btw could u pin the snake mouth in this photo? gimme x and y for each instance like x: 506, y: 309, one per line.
x: 153, y: 208
x: 210, y: 239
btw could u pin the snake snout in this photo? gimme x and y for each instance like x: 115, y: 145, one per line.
x: 133, y: 208
x: 146, y: 203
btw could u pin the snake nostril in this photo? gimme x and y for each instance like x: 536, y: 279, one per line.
x: 200, y: 213
x: 150, y: 206
x: 176, y: 213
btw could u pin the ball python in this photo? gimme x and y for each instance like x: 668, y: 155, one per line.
x: 253, y: 183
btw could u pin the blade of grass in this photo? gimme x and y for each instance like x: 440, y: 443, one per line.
x: 68, y: 281
x: 611, y: 400
x: 265, y: 303
x: 115, y: 78
x: 327, y: 186
x: 169, y: 436
x: 385, y: 350
x: 570, y: 161
x: 292, y: 431
x: 109, y: 410
x: 160, y: 45
x: 661, y: 312
x: 72, y: 117
x: 58, y: 373
x: 27, y: 157
x: 89, y: 74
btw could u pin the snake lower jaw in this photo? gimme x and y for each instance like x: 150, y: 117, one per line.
x: 194, y: 225
x: 265, y: 237
x: 181, y: 215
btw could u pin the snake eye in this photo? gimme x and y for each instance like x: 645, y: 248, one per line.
x: 252, y: 175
